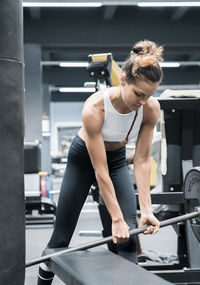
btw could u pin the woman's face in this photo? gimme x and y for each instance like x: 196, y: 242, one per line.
x: 138, y: 93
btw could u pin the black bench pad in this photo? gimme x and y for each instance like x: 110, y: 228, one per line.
x: 97, y: 268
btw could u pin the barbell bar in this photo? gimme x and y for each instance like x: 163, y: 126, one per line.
x: 102, y: 241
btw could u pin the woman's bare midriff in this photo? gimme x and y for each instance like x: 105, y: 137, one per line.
x: 108, y: 147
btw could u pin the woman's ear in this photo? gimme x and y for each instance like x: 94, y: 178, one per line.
x: 122, y: 79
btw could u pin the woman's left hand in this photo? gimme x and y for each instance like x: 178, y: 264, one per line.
x: 150, y: 221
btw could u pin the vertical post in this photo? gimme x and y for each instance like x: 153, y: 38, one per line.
x: 46, y: 151
x: 33, y: 98
x: 12, y: 222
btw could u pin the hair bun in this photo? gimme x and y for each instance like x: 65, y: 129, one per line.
x: 146, y: 53
x: 148, y: 49
x: 143, y: 62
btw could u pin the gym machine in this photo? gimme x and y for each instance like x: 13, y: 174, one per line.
x: 182, y: 181
x: 40, y: 208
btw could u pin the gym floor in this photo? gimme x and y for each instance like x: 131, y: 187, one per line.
x: 164, y: 242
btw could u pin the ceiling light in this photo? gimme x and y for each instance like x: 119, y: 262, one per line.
x: 62, y: 4
x: 170, y: 64
x: 73, y: 64
x: 170, y: 4
x: 76, y: 89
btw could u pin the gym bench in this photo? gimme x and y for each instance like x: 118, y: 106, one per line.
x: 100, y: 267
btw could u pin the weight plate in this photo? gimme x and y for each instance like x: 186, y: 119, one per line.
x: 192, y: 197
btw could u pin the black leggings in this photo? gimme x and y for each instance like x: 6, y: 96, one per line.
x: 78, y: 178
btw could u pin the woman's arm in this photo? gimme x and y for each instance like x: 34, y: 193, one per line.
x: 142, y: 167
x: 92, y: 123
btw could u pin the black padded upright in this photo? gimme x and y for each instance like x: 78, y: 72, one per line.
x: 196, y: 141
x: 101, y: 267
x: 12, y: 225
x: 32, y: 157
x: 172, y: 181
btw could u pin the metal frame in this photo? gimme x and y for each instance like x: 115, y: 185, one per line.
x: 189, y: 276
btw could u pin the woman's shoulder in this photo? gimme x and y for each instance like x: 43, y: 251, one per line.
x: 95, y: 101
x: 151, y: 109
x: 152, y: 105
x: 93, y: 109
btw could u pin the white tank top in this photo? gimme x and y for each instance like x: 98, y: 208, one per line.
x: 116, y: 125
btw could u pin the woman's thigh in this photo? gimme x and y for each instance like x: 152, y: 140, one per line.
x: 78, y: 177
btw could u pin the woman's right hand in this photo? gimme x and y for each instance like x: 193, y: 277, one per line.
x: 120, y: 231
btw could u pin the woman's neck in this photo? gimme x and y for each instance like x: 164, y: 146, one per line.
x: 117, y: 101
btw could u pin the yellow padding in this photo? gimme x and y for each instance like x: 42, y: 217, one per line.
x: 153, y: 177
x: 43, y: 173
x: 115, y: 74
x: 100, y: 57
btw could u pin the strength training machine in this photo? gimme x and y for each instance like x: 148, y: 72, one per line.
x: 40, y: 207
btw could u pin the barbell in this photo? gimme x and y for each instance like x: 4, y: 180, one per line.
x: 102, y: 241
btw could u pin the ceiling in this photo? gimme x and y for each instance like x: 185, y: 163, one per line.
x: 70, y: 34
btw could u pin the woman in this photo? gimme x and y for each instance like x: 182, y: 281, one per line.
x: 110, y: 118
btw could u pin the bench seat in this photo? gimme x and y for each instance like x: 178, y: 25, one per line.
x: 100, y: 267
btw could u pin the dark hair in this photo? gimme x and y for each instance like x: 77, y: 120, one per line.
x: 143, y: 62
